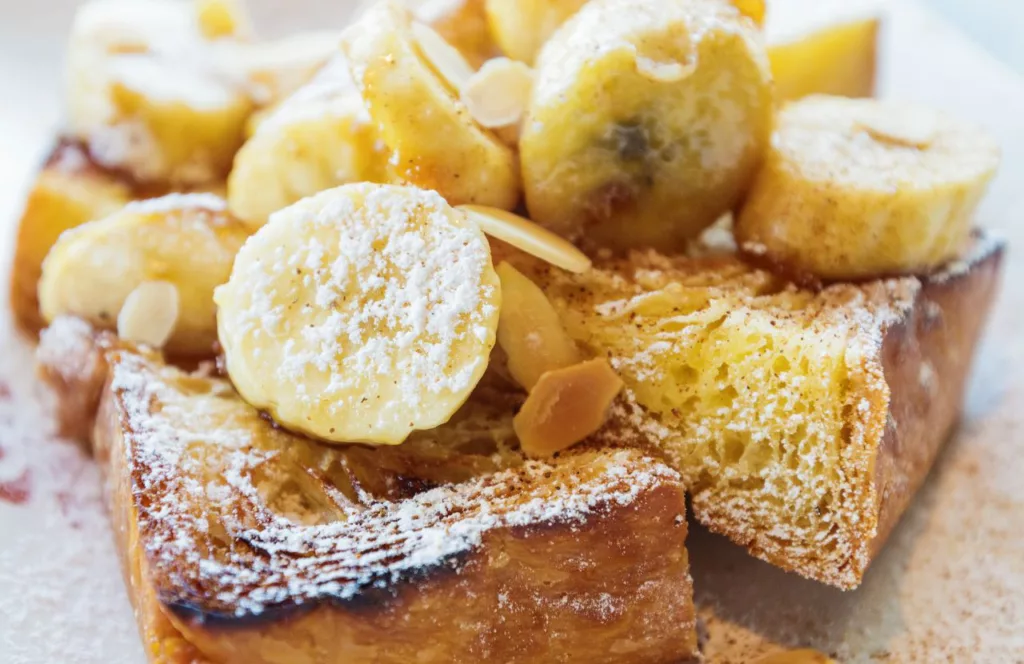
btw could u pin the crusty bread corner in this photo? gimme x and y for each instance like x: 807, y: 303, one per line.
x: 802, y: 421
x: 243, y: 543
x: 926, y: 359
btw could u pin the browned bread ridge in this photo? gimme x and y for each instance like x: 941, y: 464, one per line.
x: 243, y: 543
x: 802, y: 421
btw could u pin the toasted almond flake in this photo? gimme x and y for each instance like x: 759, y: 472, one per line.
x: 529, y: 329
x: 565, y: 406
x: 891, y: 125
x: 664, y: 72
x: 497, y: 94
x: 149, y: 314
x: 443, y: 58
x: 523, y: 234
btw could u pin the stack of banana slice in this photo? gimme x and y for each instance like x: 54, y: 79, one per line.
x: 353, y: 277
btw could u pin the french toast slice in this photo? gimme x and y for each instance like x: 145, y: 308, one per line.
x: 244, y: 543
x: 802, y: 421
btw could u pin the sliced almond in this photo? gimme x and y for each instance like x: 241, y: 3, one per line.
x: 530, y: 331
x: 565, y: 406
x: 664, y: 72
x: 890, y: 125
x: 497, y: 94
x: 442, y: 57
x: 149, y: 314
x: 523, y: 234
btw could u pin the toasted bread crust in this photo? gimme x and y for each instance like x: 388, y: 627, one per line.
x: 906, y: 396
x: 926, y: 358
x: 812, y: 489
x: 604, y: 577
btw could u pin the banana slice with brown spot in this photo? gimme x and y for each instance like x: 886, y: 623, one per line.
x: 647, y: 121
x: 410, y: 87
x: 857, y: 188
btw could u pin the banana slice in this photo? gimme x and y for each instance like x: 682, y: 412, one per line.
x: 856, y: 188
x: 145, y: 96
x: 186, y: 240
x: 319, y: 138
x: 435, y: 142
x: 361, y: 314
x: 647, y: 121
x: 520, y: 27
x: 270, y: 71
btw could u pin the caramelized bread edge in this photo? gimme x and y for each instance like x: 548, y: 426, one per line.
x: 615, y: 587
x: 926, y: 358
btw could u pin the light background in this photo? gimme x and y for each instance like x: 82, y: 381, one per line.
x: 949, y: 585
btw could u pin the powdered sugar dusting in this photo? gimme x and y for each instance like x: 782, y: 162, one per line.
x: 198, y: 479
x: 765, y: 396
x: 372, y: 298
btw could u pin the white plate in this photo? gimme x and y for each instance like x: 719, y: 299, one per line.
x: 949, y: 586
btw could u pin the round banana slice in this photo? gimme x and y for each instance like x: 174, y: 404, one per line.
x: 145, y: 96
x: 520, y: 27
x: 435, y: 143
x: 857, y: 188
x: 319, y: 138
x: 647, y: 121
x: 186, y: 240
x: 361, y: 314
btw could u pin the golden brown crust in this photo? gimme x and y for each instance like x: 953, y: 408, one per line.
x: 582, y: 556
x: 904, y: 397
x: 926, y: 358
x: 772, y: 400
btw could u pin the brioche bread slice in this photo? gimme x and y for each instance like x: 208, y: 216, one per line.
x: 244, y: 543
x: 802, y: 421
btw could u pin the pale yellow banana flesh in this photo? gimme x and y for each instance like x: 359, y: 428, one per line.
x: 319, y: 138
x: 438, y: 145
x: 857, y: 188
x: 186, y: 240
x: 647, y: 121
x: 361, y: 314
